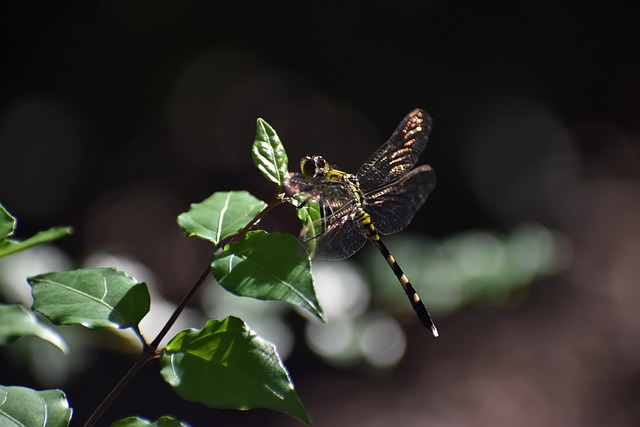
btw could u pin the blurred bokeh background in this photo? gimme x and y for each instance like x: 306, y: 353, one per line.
x: 115, y: 115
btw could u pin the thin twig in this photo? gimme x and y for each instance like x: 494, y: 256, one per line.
x: 156, y: 342
x: 275, y: 202
x: 147, y: 354
x: 150, y: 351
x: 174, y: 316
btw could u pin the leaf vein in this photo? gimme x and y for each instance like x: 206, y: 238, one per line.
x: 221, y: 217
x: 79, y: 292
x: 288, y: 285
x: 8, y: 416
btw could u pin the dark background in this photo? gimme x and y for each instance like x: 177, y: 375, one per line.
x: 115, y: 115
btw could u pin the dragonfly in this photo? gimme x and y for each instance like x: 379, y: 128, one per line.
x: 380, y: 199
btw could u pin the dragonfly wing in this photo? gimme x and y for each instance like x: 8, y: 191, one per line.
x: 339, y: 237
x: 336, y: 235
x: 296, y: 183
x: 399, y: 154
x: 340, y: 241
x: 393, y: 206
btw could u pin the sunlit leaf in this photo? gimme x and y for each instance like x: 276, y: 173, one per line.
x: 268, y: 153
x: 226, y: 365
x: 95, y: 298
x: 7, y: 223
x: 20, y: 406
x: 309, y: 215
x: 16, y: 322
x: 9, y: 246
x: 268, y: 266
x: 7, y: 228
x: 219, y: 216
x: 141, y: 422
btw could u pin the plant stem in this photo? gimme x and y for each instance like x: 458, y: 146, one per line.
x: 196, y: 285
x: 174, y: 316
x: 275, y: 202
x: 147, y: 354
x: 150, y: 351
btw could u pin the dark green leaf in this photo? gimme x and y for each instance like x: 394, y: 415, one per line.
x: 16, y: 322
x: 268, y: 153
x: 226, y: 365
x: 268, y: 266
x: 20, y: 406
x: 95, y: 298
x: 10, y: 246
x: 7, y: 223
x: 221, y: 215
x: 141, y: 422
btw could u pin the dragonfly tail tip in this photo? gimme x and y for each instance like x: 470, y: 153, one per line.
x: 434, y: 331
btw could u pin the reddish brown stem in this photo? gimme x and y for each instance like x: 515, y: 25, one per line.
x: 150, y: 351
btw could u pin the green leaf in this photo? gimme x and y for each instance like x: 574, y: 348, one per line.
x: 310, y: 216
x: 268, y: 266
x: 221, y: 215
x: 9, y: 246
x: 7, y: 223
x: 20, y: 406
x: 268, y: 153
x: 226, y: 365
x: 16, y: 322
x: 164, y: 421
x: 95, y: 298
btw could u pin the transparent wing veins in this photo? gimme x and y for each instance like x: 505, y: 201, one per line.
x: 399, y: 154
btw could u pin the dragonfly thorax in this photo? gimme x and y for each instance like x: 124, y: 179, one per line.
x: 316, y: 168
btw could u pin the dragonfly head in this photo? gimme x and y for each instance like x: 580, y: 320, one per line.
x: 314, y: 167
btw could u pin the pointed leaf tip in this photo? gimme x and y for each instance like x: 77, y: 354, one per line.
x: 268, y: 266
x: 220, y: 215
x: 16, y: 322
x: 226, y: 365
x: 95, y: 298
x: 268, y: 153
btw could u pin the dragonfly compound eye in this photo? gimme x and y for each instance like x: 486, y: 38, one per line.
x: 308, y: 167
x: 313, y: 167
x: 321, y: 163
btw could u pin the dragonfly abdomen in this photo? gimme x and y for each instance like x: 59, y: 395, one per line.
x: 414, y: 298
x: 364, y: 222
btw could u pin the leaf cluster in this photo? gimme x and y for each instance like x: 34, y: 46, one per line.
x: 223, y: 365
